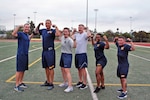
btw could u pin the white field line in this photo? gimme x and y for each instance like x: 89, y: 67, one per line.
x: 15, y: 55
x: 7, y: 46
x: 135, y: 56
x: 142, y: 46
x: 94, y: 96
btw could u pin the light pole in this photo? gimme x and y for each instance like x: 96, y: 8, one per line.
x: 87, y: 13
x: 28, y: 20
x: 14, y: 19
x: 131, y: 25
x: 34, y: 17
x: 95, y: 20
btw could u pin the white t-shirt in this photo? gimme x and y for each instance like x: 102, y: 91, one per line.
x: 82, y: 41
x: 66, y: 45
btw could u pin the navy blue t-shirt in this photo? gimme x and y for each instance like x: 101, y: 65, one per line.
x: 123, y: 53
x: 23, y: 43
x: 99, y: 50
x: 48, y: 37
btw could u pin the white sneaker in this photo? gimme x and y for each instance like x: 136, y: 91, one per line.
x: 69, y: 89
x: 64, y: 84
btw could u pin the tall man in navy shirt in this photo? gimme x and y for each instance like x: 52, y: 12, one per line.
x: 22, y: 55
x: 48, y: 54
x: 123, y: 64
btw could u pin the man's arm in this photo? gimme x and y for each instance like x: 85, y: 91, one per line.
x: 92, y: 39
x: 14, y: 33
x: 57, y: 31
x: 106, y: 40
x: 38, y: 27
x: 132, y: 44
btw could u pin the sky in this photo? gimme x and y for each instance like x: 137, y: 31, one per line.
x: 112, y: 14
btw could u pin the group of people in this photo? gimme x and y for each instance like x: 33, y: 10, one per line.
x: 78, y: 40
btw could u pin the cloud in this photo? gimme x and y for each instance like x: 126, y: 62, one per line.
x: 111, y: 13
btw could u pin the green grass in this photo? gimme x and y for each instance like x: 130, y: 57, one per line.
x: 139, y: 76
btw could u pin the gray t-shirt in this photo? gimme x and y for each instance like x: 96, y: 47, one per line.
x: 82, y: 41
x: 66, y: 45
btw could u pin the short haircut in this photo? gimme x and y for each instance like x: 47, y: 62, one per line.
x: 122, y: 37
x: 66, y: 28
x: 26, y: 24
x: 48, y: 20
x: 81, y: 25
x: 99, y: 34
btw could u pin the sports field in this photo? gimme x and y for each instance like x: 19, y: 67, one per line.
x: 138, y: 78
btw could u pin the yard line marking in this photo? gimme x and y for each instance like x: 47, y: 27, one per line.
x: 134, y: 55
x: 140, y: 57
x: 15, y: 55
x: 142, y: 46
x: 29, y: 66
x: 94, y: 96
x: 7, y: 46
x: 106, y: 84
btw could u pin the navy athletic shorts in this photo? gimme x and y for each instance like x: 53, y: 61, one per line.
x: 102, y: 62
x: 81, y: 60
x: 22, y: 62
x: 48, y: 59
x: 122, y: 71
x: 66, y: 60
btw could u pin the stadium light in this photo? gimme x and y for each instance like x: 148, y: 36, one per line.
x: 14, y: 19
x: 95, y: 20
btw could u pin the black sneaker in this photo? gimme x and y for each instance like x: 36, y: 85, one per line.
x: 45, y: 84
x: 102, y: 87
x: 18, y: 89
x: 79, y: 84
x: 97, y: 90
x: 120, y: 91
x: 83, y: 87
x: 122, y: 95
x: 50, y: 87
x: 22, y: 85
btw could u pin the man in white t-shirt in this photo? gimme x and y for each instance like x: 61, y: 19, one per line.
x: 81, y: 61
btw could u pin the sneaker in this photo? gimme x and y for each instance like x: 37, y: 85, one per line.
x: 97, y: 90
x: 69, y: 89
x: 50, y: 87
x: 79, y: 84
x: 120, y: 91
x: 102, y: 87
x: 83, y: 87
x: 122, y: 95
x: 22, y: 85
x: 45, y: 84
x: 64, y: 84
x: 18, y: 89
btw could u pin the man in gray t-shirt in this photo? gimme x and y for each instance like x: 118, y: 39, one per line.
x: 67, y: 44
x: 81, y: 61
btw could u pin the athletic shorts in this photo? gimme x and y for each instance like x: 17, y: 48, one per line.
x: 66, y: 60
x: 48, y: 59
x: 81, y: 60
x: 102, y: 62
x: 122, y: 71
x: 22, y: 62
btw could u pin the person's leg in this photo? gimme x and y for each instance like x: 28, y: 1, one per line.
x: 68, y: 75
x: 102, y: 78
x: 17, y: 78
x: 51, y: 76
x: 124, y: 84
x: 21, y: 77
x: 47, y: 75
x: 84, y: 75
x: 64, y: 74
x: 80, y: 74
x: 98, y: 75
